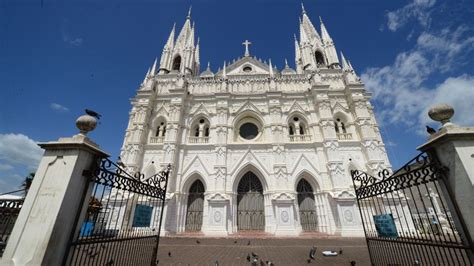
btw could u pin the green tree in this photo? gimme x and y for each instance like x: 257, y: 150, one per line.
x: 27, y: 183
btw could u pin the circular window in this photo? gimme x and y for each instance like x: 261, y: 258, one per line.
x: 247, y: 69
x: 248, y: 131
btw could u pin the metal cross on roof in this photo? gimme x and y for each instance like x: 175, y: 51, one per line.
x: 246, y: 43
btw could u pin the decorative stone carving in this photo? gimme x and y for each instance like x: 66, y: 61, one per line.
x: 348, y: 216
x: 217, y: 216
x: 285, y: 216
x: 441, y: 113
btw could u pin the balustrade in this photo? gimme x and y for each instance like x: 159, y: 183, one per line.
x: 300, y: 138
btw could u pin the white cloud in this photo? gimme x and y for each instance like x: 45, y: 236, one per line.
x: 67, y: 38
x: 401, y: 89
x: 58, y: 107
x: 75, y: 42
x: 457, y: 92
x: 5, y: 167
x: 419, y: 10
x: 18, y: 149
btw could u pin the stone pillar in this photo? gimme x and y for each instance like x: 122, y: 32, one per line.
x: 218, y: 215
x: 453, y: 146
x: 46, y: 221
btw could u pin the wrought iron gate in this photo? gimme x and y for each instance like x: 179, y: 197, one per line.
x: 9, y: 210
x: 250, y: 206
x: 307, y: 206
x: 121, y: 224
x: 409, y: 217
x: 195, y: 207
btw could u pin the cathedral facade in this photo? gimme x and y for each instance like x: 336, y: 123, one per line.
x: 253, y: 147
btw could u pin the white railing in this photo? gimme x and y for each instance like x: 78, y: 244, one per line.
x: 198, y: 140
x: 157, y: 139
x: 344, y: 136
x: 300, y: 138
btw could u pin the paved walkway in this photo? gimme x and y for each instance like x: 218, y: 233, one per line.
x: 281, y: 251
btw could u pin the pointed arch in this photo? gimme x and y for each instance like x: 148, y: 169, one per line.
x: 190, y: 179
x: 308, y: 177
x: 306, y: 205
x: 195, y: 206
x: 176, y: 65
x: 249, y: 167
x: 320, y: 58
x: 250, y: 203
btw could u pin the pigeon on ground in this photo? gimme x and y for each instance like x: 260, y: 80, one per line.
x: 169, y: 254
x: 248, y: 257
x: 353, y: 263
x: 340, y: 251
x: 430, y: 130
x: 93, y: 113
x: 312, y: 253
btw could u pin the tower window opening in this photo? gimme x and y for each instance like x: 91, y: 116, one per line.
x: 319, y: 58
x: 177, y: 63
x: 160, y: 130
x: 339, y: 126
x: 292, y: 131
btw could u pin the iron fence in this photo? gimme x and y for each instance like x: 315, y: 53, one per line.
x: 122, y: 222
x: 9, y: 210
x: 409, y: 217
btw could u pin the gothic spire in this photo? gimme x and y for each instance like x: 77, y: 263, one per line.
x: 224, y: 74
x: 271, y: 68
x: 297, y: 48
x: 345, y: 65
x: 324, y: 33
x: 308, y: 26
x: 153, y: 68
x: 170, y: 42
x: 185, y: 32
x: 196, y: 53
x: 303, y: 35
x: 350, y: 67
x: 146, y: 76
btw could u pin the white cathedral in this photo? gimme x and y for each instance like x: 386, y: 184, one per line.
x: 254, y: 148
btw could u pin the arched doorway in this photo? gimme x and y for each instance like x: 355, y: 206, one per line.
x: 250, y: 207
x: 195, y: 207
x: 306, y: 205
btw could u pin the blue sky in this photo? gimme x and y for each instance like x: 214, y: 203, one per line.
x: 59, y: 57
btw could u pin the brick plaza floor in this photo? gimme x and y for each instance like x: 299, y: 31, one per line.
x: 281, y: 251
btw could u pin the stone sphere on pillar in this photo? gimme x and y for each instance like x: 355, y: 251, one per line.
x: 441, y: 113
x: 86, y: 123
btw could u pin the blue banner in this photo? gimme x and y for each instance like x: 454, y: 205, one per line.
x: 142, y: 217
x: 385, y: 225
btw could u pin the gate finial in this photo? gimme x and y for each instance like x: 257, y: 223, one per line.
x: 441, y: 113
